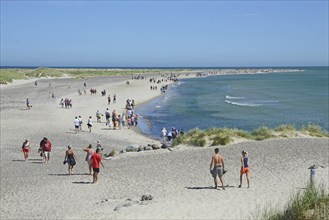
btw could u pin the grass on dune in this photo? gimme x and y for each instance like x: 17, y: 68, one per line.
x: 8, y: 75
x: 315, y: 130
x: 224, y: 136
x: 311, y: 203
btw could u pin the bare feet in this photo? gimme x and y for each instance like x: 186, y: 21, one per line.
x: 239, y: 186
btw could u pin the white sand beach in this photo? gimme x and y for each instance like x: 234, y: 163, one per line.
x: 178, y: 181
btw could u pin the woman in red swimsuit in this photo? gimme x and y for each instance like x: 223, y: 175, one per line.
x: 26, y: 149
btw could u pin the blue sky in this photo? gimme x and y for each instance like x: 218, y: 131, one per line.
x: 164, y: 33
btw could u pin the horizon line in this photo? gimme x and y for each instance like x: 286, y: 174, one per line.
x: 153, y: 67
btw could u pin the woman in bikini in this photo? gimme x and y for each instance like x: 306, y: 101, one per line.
x: 244, y: 167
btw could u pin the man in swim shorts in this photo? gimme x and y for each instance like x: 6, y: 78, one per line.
x: 46, y: 145
x: 217, y: 167
x: 96, y: 160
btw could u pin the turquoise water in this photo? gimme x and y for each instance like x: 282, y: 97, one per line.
x: 241, y: 101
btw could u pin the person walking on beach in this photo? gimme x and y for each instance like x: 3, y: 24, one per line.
x: 109, y: 100
x: 28, y: 104
x: 96, y: 160
x: 80, y: 123
x: 123, y: 120
x: 114, y: 98
x: 46, y: 146
x: 90, y: 123
x: 70, y: 159
x: 114, y: 119
x: 244, y: 167
x: 164, y: 134
x: 98, y: 145
x: 76, y: 125
x: 26, y: 149
x: 90, y: 151
x: 98, y: 115
x: 217, y: 167
x: 107, y: 116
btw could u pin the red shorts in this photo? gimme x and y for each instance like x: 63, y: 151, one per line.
x: 244, y: 170
x: 26, y: 150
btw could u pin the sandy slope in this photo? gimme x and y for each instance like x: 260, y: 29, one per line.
x: 179, y: 181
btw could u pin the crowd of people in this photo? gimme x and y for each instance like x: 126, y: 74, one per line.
x: 66, y: 103
x: 93, y: 157
x: 169, y: 136
x: 94, y: 160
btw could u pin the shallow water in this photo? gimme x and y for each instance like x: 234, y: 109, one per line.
x: 241, y: 101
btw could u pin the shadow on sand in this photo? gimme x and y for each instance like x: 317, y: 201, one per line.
x: 18, y: 160
x: 71, y: 132
x: 199, y: 187
x: 82, y: 182
x: 66, y: 174
x: 36, y: 159
x: 38, y: 162
x: 207, y: 187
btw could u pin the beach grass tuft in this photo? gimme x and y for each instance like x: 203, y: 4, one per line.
x: 224, y: 136
x: 221, y: 140
x: 315, y: 130
x: 285, y: 128
x: 311, y: 203
x: 262, y: 133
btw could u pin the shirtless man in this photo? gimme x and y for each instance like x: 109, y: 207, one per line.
x: 217, y: 167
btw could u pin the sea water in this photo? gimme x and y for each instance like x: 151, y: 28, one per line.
x: 241, y: 101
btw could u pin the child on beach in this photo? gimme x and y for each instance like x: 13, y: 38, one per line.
x: 99, y: 146
x: 244, y: 167
x: 26, y: 149
x: 123, y: 120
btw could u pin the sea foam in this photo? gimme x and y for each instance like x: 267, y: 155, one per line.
x: 242, y: 103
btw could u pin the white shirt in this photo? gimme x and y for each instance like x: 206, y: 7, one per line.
x: 164, y: 132
x: 76, y: 122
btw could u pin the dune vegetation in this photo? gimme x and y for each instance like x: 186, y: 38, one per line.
x: 310, y: 203
x: 8, y: 75
x: 224, y: 136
